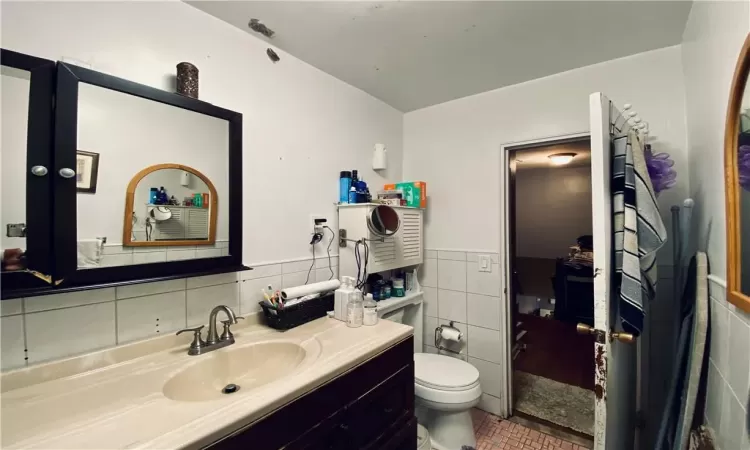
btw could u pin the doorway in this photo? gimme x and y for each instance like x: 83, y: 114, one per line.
x: 550, y: 285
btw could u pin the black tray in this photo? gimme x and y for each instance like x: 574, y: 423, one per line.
x: 296, y: 315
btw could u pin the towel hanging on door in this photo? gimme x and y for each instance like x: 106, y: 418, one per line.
x: 638, y: 230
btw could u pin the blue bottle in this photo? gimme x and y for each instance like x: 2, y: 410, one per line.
x: 153, y: 196
x: 345, y: 184
x: 353, y: 195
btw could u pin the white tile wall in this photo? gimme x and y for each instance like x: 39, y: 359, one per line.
x: 44, y: 328
x: 114, y: 254
x: 729, y: 371
x: 454, y: 289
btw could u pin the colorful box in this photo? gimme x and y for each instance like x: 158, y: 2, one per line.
x: 415, y: 192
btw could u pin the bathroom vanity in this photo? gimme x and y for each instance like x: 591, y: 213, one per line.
x: 319, y: 385
x: 369, y: 407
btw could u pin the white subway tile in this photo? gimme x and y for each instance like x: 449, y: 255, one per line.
x: 202, y: 300
x: 428, y: 334
x: 452, y: 275
x: 489, y: 376
x: 428, y: 273
x: 484, y: 344
x: 208, y: 252
x: 211, y: 280
x: 455, y: 256
x: 11, y: 307
x: 715, y: 392
x: 149, y: 257
x: 430, y: 349
x: 250, y: 293
x: 118, y: 259
x: 296, y: 279
x: 486, y: 283
x: 489, y: 404
x: 732, y: 421
x: 452, y: 305
x: 432, y: 254
x: 222, y: 244
x: 152, y: 315
x: 65, y: 332
x: 719, y: 336
x: 225, y: 252
x: 430, y: 301
x: 261, y: 272
x: 296, y: 266
x: 56, y: 301
x: 180, y: 254
x: 739, y: 351
x: 139, y: 290
x: 474, y: 257
x: 483, y: 311
x: 325, y: 274
x: 12, y: 353
x: 322, y: 261
x: 113, y: 249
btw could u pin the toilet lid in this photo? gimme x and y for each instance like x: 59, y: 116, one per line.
x: 443, y: 372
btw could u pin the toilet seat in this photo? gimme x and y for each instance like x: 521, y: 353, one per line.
x: 442, y: 379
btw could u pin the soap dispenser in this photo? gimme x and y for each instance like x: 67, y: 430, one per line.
x: 341, y: 298
x: 355, y: 310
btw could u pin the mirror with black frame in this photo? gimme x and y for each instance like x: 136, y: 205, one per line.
x: 27, y: 84
x: 139, y: 161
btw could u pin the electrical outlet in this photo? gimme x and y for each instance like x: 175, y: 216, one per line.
x: 317, y: 225
x: 485, y: 263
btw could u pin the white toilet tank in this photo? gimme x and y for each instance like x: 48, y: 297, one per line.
x: 406, y: 310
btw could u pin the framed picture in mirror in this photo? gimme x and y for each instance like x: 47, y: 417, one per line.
x: 737, y: 178
x: 87, y: 168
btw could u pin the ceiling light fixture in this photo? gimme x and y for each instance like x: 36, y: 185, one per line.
x: 560, y: 159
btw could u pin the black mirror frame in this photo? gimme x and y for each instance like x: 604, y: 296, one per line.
x: 66, y: 274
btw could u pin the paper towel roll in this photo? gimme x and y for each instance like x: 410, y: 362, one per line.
x: 450, y: 334
x: 307, y: 289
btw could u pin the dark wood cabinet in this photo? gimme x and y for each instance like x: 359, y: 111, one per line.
x: 371, y: 407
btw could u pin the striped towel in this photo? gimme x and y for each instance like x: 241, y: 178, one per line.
x: 638, y: 230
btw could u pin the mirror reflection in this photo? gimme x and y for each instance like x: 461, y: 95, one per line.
x: 170, y: 205
x: 127, y: 146
x: 14, y: 84
x: 743, y: 171
x: 383, y: 221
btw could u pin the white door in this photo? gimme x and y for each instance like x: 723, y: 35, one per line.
x: 615, y: 362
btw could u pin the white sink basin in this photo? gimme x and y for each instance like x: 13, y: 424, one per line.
x: 247, y: 367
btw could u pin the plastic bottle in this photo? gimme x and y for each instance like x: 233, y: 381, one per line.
x: 341, y: 298
x: 353, y: 195
x: 345, y: 184
x: 355, y: 310
x: 370, y: 311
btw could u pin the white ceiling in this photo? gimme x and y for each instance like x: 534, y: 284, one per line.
x: 415, y: 54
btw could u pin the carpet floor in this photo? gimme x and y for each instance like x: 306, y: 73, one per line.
x: 562, y: 404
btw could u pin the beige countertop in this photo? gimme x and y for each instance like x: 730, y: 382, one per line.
x: 114, y: 398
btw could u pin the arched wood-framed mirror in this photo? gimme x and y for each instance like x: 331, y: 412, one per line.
x: 737, y: 178
x: 170, y: 205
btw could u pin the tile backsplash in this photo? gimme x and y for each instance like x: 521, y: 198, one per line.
x: 728, y: 393
x: 45, y: 328
x: 455, y: 290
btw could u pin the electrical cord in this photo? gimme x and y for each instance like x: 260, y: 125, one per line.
x: 328, y: 250
x: 360, y: 259
x: 311, y: 265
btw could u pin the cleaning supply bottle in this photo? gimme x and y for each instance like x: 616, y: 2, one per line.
x: 353, y: 195
x: 370, y: 311
x: 355, y: 310
x: 341, y: 298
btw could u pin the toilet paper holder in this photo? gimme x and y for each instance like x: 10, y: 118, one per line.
x: 439, y: 336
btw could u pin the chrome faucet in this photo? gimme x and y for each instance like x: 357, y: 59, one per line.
x: 213, y: 341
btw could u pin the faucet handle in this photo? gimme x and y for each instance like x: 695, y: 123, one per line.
x: 227, y: 334
x: 197, y: 339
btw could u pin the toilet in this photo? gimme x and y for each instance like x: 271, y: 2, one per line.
x: 446, y: 389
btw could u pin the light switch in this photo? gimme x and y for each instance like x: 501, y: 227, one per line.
x: 485, y: 263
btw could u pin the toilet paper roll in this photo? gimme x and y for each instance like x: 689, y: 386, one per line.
x: 451, y: 334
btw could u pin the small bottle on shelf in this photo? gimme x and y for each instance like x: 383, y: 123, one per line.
x: 355, y: 310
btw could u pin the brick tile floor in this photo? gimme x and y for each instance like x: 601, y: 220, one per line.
x: 494, y: 433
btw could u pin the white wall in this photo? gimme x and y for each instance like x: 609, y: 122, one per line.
x: 131, y: 134
x: 455, y: 146
x: 711, y: 44
x: 553, y: 208
x: 301, y: 126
